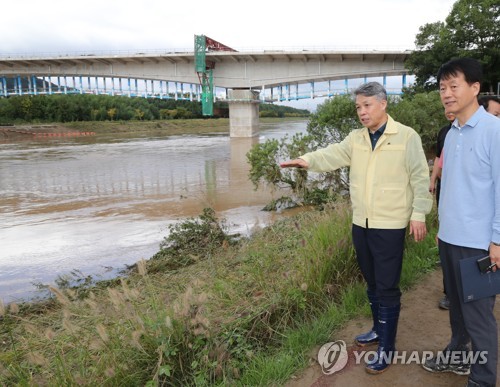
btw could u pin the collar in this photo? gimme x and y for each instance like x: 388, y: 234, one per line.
x: 473, y: 120
x: 379, y: 131
x: 391, y: 126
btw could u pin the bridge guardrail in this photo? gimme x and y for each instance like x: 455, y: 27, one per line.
x: 189, y: 51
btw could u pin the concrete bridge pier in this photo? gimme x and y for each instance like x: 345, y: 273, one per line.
x: 243, y: 112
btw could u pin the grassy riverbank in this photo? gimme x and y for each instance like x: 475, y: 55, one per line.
x: 245, y: 314
x: 163, y: 127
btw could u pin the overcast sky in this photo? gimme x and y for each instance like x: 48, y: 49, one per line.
x: 56, y: 26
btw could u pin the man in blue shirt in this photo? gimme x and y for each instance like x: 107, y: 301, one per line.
x: 469, y: 218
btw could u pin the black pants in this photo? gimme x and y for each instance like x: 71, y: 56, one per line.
x: 438, y: 192
x: 473, y: 320
x: 380, y: 258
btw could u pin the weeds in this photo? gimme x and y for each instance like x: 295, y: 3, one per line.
x: 238, y: 314
x: 191, y: 241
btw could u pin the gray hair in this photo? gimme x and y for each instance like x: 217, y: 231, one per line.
x: 371, y: 89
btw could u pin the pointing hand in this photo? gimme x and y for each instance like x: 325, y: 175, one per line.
x: 296, y: 163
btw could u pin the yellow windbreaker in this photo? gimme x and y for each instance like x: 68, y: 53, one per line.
x: 389, y: 185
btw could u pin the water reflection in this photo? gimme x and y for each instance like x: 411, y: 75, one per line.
x: 92, y: 205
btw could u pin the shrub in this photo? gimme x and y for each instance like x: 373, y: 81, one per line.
x: 191, y: 240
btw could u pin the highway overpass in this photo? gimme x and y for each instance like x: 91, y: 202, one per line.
x: 247, y: 77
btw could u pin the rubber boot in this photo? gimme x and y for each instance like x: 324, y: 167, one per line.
x: 388, y: 326
x: 370, y: 337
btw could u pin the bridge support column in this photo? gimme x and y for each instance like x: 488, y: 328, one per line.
x: 243, y: 113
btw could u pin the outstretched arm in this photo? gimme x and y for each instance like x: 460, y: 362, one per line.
x: 296, y: 163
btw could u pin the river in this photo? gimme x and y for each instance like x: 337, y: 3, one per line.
x: 93, y: 205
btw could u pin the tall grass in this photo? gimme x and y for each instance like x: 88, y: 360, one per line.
x: 246, y: 315
x: 293, y: 353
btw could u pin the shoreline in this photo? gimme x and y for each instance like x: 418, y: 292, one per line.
x: 158, y: 128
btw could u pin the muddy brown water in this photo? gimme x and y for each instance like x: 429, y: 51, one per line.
x: 94, y: 205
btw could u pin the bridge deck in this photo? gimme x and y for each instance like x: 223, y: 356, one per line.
x: 232, y: 69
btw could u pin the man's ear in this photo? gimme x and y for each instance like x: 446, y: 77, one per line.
x: 477, y: 88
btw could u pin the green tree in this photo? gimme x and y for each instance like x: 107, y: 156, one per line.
x: 432, y: 50
x: 471, y: 29
x: 268, y: 113
x: 94, y: 113
x: 111, y: 113
x: 139, y: 114
x: 164, y: 114
x: 183, y: 113
x: 423, y: 112
x: 26, y: 104
x: 331, y: 123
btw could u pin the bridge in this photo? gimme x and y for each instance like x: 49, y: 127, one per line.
x: 243, y: 79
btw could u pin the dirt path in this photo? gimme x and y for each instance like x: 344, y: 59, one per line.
x: 422, y: 327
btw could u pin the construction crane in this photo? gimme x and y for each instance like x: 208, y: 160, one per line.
x: 204, y: 69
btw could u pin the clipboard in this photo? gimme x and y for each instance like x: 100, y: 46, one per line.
x: 477, y: 285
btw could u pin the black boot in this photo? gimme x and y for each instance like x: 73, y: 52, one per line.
x: 370, y: 337
x: 388, y: 326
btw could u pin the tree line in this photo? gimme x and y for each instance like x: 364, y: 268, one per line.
x: 472, y: 29
x: 86, y: 107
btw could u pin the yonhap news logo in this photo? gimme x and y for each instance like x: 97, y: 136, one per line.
x: 333, y: 357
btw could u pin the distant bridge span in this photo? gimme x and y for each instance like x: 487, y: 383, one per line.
x: 233, y: 70
x: 243, y: 74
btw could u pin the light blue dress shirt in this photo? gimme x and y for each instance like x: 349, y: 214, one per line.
x: 469, y: 204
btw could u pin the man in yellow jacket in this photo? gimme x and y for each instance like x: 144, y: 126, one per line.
x: 389, y: 182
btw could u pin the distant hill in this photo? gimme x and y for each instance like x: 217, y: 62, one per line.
x: 270, y: 110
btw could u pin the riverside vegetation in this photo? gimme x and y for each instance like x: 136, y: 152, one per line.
x: 101, y: 108
x: 239, y: 312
